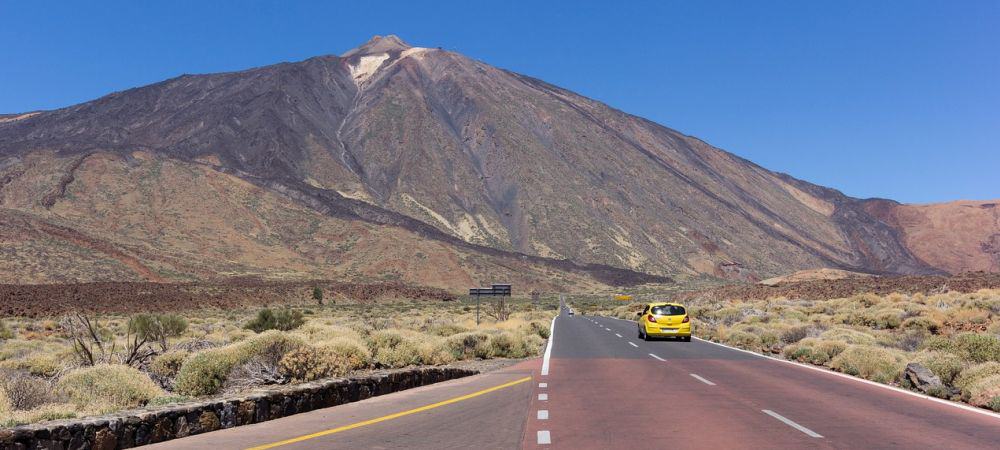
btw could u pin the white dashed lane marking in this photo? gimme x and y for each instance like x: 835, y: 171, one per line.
x: 633, y: 344
x: 656, y: 357
x: 543, y: 414
x: 788, y: 422
x: 616, y: 334
x: 544, y: 438
x: 699, y: 378
x: 543, y: 385
x: 543, y: 397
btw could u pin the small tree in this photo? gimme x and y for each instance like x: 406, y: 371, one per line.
x: 318, y: 294
x: 283, y: 319
x: 159, y: 327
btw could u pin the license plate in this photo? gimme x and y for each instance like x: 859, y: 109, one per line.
x: 668, y: 330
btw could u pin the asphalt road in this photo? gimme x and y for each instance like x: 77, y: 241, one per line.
x: 605, y: 388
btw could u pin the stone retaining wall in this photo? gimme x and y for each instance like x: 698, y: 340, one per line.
x: 148, y: 426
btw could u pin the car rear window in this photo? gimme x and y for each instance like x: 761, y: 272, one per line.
x: 667, y: 310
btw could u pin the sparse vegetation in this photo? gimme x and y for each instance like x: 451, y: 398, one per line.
x: 86, y: 364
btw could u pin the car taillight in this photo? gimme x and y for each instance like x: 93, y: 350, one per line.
x: 651, y: 318
x: 686, y: 319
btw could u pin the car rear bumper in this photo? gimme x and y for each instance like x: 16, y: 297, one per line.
x: 658, y: 330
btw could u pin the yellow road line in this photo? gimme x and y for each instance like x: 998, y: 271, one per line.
x: 390, y: 416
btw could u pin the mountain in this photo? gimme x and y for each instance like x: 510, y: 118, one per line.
x: 271, y: 170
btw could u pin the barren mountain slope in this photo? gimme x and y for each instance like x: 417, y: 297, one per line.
x: 957, y: 236
x: 453, y: 150
x: 146, y: 217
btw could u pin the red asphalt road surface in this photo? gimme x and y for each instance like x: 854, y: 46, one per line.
x: 605, y: 393
x: 608, y: 392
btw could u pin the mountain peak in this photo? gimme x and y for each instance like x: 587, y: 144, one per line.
x: 378, y: 44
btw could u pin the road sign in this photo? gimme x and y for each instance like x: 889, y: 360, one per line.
x: 496, y: 290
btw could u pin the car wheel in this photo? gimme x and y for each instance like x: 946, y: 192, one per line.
x: 687, y: 338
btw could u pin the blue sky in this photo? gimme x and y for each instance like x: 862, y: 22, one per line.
x: 878, y: 99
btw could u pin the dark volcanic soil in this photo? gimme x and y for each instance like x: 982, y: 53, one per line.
x: 133, y: 297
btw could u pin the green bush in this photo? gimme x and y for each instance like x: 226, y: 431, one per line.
x: 108, y: 387
x: 871, y: 363
x: 744, y: 340
x: 945, y: 365
x: 158, y: 327
x: 939, y: 343
x: 205, y: 372
x: 282, y: 319
x: 978, y: 347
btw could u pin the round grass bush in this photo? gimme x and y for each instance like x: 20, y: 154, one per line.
x: 871, y: 363
x: 168, y: 364
x: 108, y: 387
x: 5, y: 406
x: 473, y: 344
x: 983, y: 391
x: 745, y: 340
x: 972, y: 374
x: 352, y: 354
x: 848, y: 335
x: 307, y: 364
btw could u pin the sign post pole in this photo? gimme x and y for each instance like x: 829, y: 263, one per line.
x: 477, y: 309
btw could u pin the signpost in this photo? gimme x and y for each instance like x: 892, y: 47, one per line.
x: 496, y: 290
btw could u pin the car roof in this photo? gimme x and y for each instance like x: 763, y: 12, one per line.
x: 665, y: 303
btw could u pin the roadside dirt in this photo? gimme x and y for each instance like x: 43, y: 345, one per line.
x: 132, y: 297
x: 828, y: 289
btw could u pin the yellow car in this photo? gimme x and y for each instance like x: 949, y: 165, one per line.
x: 664, y: 320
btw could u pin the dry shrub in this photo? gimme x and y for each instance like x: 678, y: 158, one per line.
x: 306, y: 364
x: 745, y: 340
x: 205, y: 372
x: 794, y: 334
x: 871, y: 363
x: 40, y: 364
x: 51, y: 411
x: 5, y: 404
x: 509, y: 345
x: 394, y: 349
x: 108, y: 387
x: 351, y: 354
x: 24, y: 391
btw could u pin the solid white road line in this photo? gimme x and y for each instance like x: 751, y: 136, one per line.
x: 852, y: 378
x: 633, y: 344
x: 543, y: 385
x: 543, y: 414
x: 616, y: 334
x: 543, y: 397
x: 788, y: 422
x: 548, y: 347
x: 699, y: 378
x: 657, y: 357
x: 544, y: 438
